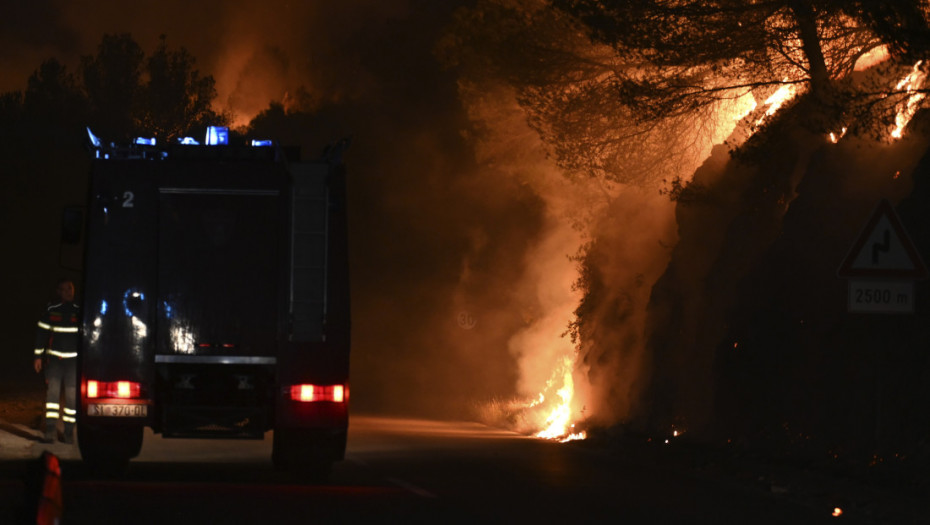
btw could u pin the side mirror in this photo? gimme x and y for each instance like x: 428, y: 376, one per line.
x: 72, y: 225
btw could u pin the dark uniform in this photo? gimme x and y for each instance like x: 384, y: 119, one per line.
x: 57, y: 340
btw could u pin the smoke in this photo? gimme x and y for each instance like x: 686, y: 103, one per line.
x: 547, y: 288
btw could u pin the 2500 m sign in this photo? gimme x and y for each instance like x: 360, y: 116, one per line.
x: 871, y: 296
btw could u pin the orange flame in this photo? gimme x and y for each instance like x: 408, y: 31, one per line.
x: 777, y: 100
x: 559, y: 422
x: 913, y: 80
x: 871, y: 58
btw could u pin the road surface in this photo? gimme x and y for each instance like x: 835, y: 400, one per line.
x: 399, y: 471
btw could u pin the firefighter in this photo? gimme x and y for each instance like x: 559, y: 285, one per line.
x: 56, y: 350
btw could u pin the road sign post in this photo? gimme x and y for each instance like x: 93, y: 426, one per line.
x: 881, y: 267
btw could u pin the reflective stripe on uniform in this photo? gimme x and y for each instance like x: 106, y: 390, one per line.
x: 45, y: 326
x: 56, y: 353
x: 40, y: 351
x: 70, y: 411
x: 65, y: 329
x: 68, y: 419
x: 52, y: 406
x: 51, y: 415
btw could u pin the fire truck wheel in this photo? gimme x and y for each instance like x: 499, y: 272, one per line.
x: 109, y: 448
x: 294, y: 451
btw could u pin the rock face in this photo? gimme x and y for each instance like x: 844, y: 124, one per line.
x: 748, y: 332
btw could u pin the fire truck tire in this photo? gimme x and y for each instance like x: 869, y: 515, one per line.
x: 298, y: 451
x: 109, y: 447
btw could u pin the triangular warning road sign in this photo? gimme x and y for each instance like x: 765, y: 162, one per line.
x: 883, y: 249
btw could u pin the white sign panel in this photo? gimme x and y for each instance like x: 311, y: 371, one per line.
x: 873, y: 296
x: 883, y: 250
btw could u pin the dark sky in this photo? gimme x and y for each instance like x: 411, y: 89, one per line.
x: 257, y: 51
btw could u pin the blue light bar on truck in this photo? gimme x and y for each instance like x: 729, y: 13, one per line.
x: 261, y: 143
x: 93, y: 138
x: 142, y: 141
x: 95, y: 142
x: 217, y: 135
x: 188, y: 141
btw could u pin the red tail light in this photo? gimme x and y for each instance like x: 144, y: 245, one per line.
x: 111, y: 389
x: 313, y: 393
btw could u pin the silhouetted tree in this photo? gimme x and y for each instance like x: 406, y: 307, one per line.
x: 54, y: 106
x: 175, y: 98
x: 112, y: 84
x: 11, y: 116
x: 162, y: 95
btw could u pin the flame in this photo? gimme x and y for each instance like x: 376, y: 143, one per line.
x: 834, y: 137
x: 559, y: 424
x: 913, y: 80
x: 732, y: 124
x: 872, y: 57
x: 776, y: 100
x: 730, y: 113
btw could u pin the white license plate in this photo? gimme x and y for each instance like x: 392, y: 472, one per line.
x: 117, y: 410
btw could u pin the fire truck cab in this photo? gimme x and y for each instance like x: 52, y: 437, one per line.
x: 215, y: 299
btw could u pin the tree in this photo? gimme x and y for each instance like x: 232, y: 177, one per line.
x: 54, y: 106
x: 161, y: 95
x: 175, y: 98
x: 694, y: 53
x: 111, y: 82
x: 627, y: 90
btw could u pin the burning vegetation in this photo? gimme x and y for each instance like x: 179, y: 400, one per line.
x: 637, y: 208
x: 631, y: 99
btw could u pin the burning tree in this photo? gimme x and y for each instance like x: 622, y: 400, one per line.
x: 631, y: 94
x: 624, y: 90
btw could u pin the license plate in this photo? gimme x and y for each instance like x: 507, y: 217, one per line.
x: 117, y: 410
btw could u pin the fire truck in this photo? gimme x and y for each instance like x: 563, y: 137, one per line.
x: 215, y: 299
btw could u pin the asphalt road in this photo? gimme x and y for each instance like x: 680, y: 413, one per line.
x: 396, y: 471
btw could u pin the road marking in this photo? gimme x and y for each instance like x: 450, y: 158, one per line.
x: 423, y: 493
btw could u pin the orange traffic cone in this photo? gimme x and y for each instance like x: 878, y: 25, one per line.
x: 50, y: 504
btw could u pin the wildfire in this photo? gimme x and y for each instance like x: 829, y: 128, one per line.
x: 871, y: 58
x: 835, y: 137
x: 913, y: 80
x: 731, y: 126
x: 776, y: 100
x: 559, y: 422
